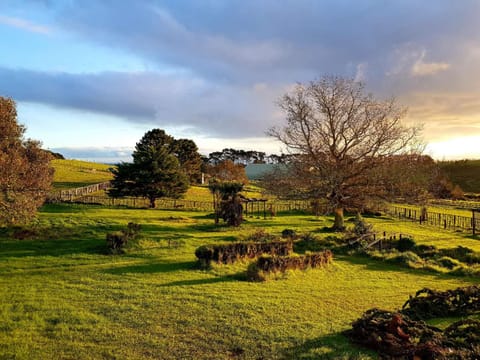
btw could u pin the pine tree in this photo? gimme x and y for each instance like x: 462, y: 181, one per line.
x: 155, y: 172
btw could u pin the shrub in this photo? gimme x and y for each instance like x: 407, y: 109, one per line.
x: 462, y: 253
x: 464, y: 270
x: 405, y: 244
x: 265, y: 265
x: 289, y: 233
x: 409, y: 259
x: 117, y: 241
x: 229, y: 253
x: 448, y: 262
x: 361, y: 227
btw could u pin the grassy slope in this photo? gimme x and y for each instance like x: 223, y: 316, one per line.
x: 60, y: 297
x: 465, y: 173
x: 76, y: 173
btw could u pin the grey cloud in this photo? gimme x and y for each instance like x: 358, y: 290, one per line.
x: 270, y: 40
x: 235, y: 58
x: 161, y: 100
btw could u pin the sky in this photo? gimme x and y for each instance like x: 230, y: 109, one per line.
x: 90, y: 77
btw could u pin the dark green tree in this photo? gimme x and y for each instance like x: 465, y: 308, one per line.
x: 190, y: 159
x: 154, y: 173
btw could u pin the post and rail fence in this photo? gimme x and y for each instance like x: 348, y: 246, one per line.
x: 264, y: 208
x: 437, y: 218
x: 70, y: 194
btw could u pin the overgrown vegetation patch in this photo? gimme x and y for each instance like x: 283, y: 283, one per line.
x: 265, y: 265
x: 402, y: 251
x: 459, y: 261
x: 405, y: 335
x: 117, y: 241
x: 229, y: 253
x: 428, y: 303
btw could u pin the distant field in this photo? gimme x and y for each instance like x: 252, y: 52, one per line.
x: 62, y: 297
x: 465, y: 173
x: 75, y: 173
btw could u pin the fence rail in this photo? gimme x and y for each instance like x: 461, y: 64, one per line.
x: 436, y: 218
x: 252, y: 208
x: 68, y: 195
x: 266, y: 208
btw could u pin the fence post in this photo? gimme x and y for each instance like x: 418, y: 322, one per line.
x: 473, y: 222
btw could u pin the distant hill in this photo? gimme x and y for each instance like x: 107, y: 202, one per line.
x: 465, y: 173
x: 75, y: 173
x: 256, y: 171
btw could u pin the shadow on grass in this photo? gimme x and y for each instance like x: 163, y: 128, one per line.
x: 62, y: 208
x: 24, y: 248
x: 332, y: 346
x: 153, y: 267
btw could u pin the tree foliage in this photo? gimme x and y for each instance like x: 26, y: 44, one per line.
x: 25, y: 171
x: 340, y: 136
x: 155, y: 172
x: 245, y: 157
x: 187, y: 154
x: 227, y: 201
x: 227, y: 170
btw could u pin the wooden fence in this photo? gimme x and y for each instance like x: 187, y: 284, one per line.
x: 71, y: 194
x: 251, y: 208
x: 265, y: 208
x: 437, y: 218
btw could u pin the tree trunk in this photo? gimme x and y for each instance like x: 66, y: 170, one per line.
x: 215, y: 209
x: 338, y: 224
x: 152, y: 202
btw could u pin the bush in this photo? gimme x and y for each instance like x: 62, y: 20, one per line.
x: 448, y: 262
x: 462, y: 253
x: 405, y: 244
x: 408, y: 258
x: 117, y: 241
x: 289, y: 233
x: 361, y: 227
x: 229, y: 253
x: 265, y: 265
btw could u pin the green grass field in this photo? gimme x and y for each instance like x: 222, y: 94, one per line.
x: 75, y: 173
x: 62, y: 297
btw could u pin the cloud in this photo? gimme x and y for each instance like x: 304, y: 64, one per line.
x: 421, y: 68
x: 25, y: 25
x: 163, y: 100
x: 409, y: 60
x: 107, y: 155
x: 228, y: 62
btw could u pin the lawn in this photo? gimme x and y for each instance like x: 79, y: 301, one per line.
x: 75, y: 173
x: 63, y: 297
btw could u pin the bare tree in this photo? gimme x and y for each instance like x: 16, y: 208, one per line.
x: 340, y: 134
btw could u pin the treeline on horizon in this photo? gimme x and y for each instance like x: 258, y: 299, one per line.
x: 464, y: 173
